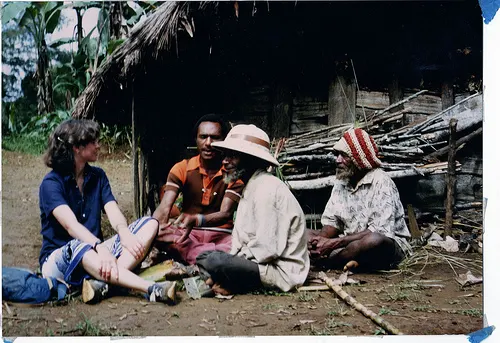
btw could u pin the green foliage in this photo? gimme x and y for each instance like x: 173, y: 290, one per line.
x: 307, y: 296
x: 25, y: 144
x: 473, y: 312
x: 89, y: 328
x: 25, y: 26
x: 32, y: 137
x: 271, y: 292
x: 388, y: 311
x: 113, y: 136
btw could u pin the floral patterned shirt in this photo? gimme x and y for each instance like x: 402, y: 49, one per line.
x: 373, y: 204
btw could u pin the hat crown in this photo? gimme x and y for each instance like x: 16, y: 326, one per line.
x: 248, y: 139
x: 248, y: 130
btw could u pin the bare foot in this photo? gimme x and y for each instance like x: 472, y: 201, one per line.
x: 219, y: 290
x: 209, y: 281
x: 351, y: 265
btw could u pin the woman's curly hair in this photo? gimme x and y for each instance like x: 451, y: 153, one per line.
x: 73, y: 132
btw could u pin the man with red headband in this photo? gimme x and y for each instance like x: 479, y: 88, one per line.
x: 363, y: 222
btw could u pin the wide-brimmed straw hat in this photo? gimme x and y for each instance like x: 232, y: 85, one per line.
x: 248, y: 139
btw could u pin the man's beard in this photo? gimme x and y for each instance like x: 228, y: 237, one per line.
x: 233, y: 175
x: 346, y: 173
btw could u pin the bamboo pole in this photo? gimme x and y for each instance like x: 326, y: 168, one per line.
x: 358, y: 306
x: 378, y: 113
x: 451, y: 179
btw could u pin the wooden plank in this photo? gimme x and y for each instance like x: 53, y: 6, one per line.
x: 425, y: 103
x: 372, y: 100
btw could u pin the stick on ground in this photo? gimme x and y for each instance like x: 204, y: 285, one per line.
x: 358, y: 306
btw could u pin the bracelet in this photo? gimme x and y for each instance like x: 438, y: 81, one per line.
x: 96, y: 243
x: 200, y: 220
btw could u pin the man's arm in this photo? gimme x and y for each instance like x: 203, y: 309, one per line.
x: 162, y: 212
x: 227, y: 208
x: 328, y: 231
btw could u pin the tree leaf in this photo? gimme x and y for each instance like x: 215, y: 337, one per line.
x: 58, y: 42
x: 86, y: 40
x: 12, y: 10
x: 114, y: 44
x: 48, y: 7
x: 26, y: 19
x: 53, y: 16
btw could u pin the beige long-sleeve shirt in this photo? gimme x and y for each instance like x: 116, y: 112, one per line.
x: 270, y: 230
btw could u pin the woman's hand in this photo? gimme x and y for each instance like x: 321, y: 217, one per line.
x: 108, y: 269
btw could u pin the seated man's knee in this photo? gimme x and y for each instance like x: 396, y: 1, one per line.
x: 212, y: 260
x: 375, y: 240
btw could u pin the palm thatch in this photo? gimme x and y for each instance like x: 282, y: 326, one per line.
x: 148, y: 41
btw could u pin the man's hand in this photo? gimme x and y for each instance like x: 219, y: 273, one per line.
x: 133, y: 245
x: 108, y: 269
x: 321, y: 246
x: 188, y: 222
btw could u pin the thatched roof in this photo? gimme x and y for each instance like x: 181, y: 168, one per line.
x: 149, y: 41
x: 261, y: 42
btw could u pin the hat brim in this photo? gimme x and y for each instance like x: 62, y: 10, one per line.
x: 246, y: 148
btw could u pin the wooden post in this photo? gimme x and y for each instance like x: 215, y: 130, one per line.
x: 135, y: 160
x: 342, y: 99
x: 281, y: 114
x: 451, y: 178
x: 395, y: 93
x: 412, y: 220
x: 447, y: 95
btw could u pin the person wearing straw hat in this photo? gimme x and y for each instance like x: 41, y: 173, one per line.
x: 363, y: 222
x: 269, y: 242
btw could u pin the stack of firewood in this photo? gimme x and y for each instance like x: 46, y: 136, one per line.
x: 308, y: 160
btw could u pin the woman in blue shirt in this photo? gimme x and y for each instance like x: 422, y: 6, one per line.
x: 72, y: 197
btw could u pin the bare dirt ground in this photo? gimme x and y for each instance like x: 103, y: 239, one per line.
x: 403, y: 299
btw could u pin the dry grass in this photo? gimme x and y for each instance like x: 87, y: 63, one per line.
x: 427, y: 256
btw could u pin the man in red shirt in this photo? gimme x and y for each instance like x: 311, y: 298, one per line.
x: 208, y: 202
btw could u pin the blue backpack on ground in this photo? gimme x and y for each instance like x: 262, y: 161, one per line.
x: 23, y: 286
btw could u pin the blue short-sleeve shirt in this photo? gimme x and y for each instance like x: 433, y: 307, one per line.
x: 57, y: 189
